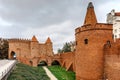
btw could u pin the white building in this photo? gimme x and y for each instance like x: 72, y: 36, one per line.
x: 114, y: 18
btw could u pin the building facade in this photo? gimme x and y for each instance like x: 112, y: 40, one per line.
x: 114, y: 18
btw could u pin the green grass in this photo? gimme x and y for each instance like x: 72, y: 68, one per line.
x: 25, y: 72
x: 61, y: 73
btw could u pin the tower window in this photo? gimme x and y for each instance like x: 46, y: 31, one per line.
x: 76, y: 42
x: 86, y: 41
x: 108, y: 42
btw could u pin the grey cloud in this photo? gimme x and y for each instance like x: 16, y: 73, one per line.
x: 38, y: 12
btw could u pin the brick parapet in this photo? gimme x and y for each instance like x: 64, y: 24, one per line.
x: 98, y: 26
x: 19, y: 40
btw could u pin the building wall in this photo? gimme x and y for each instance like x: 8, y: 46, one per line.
x: 32, y: 53
x: 21, y: 48
x: 91, y: 54
x: 68, y: 60
x: 116, y: 28
x: 114, y: 18
x: 42, y: 49
x: 112, y: 60
x: 34, y: 49
x: 111, y: 17
x: 28, y: 51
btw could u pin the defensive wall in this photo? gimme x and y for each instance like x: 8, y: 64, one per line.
x: 32, y: 52
x: 112, y: 60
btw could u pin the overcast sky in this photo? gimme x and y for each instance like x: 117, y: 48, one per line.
x: 56, y: 19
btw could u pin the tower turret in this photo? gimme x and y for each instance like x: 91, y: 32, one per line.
x: 90, y: 40
x: 90, y: 17
x: 34, y: 47
x: 34, y: 39
x: 48, y: 40
x: 49, y: 47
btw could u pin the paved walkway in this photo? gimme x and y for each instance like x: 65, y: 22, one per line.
x: 50, y: 75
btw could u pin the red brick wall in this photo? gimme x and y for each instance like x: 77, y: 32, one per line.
x: 27, y: 50
x: 89, y: 57
x: 112, y: 61
x: 67, y: 60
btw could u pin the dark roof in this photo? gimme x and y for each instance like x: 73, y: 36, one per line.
x: 117, y: 14
x: 90, y: 5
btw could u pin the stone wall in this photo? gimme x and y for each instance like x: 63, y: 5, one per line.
x: 68, y: 60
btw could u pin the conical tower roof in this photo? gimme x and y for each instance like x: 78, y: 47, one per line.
x: 34, y: 39
x: 90, y: 17
x: 48, y: 40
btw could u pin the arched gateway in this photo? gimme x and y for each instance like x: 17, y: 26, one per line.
x: 13, y: 55
x: 42, y: 63
x: 55, y: 62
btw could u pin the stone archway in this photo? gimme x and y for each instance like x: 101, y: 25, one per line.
x: 42, y: 63
x: 55, y: 62
x: 13, y: 55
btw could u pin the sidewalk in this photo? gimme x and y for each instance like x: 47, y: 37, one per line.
x: 50, y: 75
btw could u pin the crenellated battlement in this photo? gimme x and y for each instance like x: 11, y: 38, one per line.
x: 19, y: 40
x: 97, y: 26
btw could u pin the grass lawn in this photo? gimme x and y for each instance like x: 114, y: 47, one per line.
x: 61, y: 73
x: 25, y: 72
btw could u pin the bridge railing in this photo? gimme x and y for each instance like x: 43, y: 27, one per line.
x: 4, y: 70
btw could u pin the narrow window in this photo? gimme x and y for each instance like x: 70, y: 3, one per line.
x: 76, y: 42
x: 115, y: 36
x: 86, y: 41
x: 115, y: 30
x: 108, y: 42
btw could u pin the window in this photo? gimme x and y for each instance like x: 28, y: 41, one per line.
x: 108, y: 42
x: 76, y: 42
x: 115, y: 30
x: 86, y: 41
x: 115, y: 36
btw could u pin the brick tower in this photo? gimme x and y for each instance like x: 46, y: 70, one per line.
x: 34, y: 47
x: 49, y: 47
x: 90, y: 17
x: 90, y: 39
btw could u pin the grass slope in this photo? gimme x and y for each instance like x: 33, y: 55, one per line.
x: 61, y: 73
x: 25, y: 72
